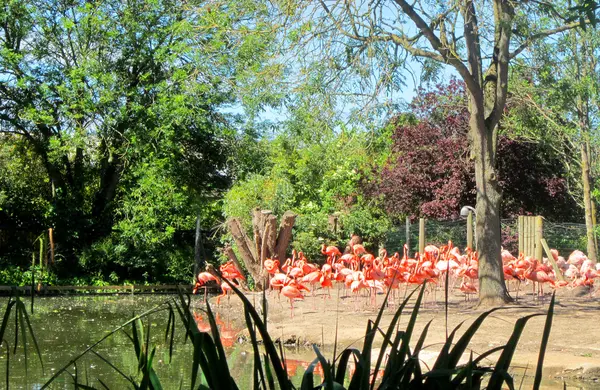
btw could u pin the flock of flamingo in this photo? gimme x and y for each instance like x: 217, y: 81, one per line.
x: 360, y: 271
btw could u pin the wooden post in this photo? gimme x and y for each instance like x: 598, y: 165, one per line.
x: 525, y: 235
x: 470, y: 230
x: 51, y: 241
x: 421, y: 235
x: 594, y: 225
x: 539, y: 231
x: 531, y: 235
x: 557, y: 271
x: 408, y: 236
x: 199, y: 254
x: 520, y: 229
x: 42, y: 257
x: 285, y: 234
x: 526, y: 232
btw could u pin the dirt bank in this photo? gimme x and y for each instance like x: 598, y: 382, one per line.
x: 573, y: 351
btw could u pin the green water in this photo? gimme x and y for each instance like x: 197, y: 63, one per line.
x: 66, y: 326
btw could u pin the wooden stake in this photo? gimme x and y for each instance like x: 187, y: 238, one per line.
x: 408, y: 236
x: 520, y: 229
x: 557, y: 271
x: 526, y: 235
x: 51, y: 240
x: 539, y: 231
x: 470, y: 230
x: 421, y: 235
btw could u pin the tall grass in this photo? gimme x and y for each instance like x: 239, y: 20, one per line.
x: 15, y: 307
x: 397, y: 358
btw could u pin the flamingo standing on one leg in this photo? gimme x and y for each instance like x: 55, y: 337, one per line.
x: 291, y: 292
x: 226, y: 291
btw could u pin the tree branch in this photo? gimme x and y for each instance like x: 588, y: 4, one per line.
x: 472, y: 40
x: 415, y: 51
x: 501, y: 52
x: 542, y: 34
x: 445, y: 52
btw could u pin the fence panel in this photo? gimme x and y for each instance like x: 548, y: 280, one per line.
x: 565, y: 237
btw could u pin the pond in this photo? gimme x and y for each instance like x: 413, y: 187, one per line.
x: 66, y: 326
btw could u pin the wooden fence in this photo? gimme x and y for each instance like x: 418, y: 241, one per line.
x: 530, y: 235
x: 126, y: 289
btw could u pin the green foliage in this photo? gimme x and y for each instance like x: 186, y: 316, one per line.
x: 314, y: 168
x: 554, y: 100
x: 113, y: 129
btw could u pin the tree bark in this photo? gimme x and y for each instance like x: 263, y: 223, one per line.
x: 587, y: 202
x: 269, y: 238
x: 285, y: 234
x: 492, y: 289
x: 241, y: 240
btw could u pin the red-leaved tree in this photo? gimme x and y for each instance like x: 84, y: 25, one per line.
x: 430, y: 174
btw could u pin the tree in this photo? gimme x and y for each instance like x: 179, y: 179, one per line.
x: 314, y: 170
x: 562, y: 87
x: 430, y: 175
x: 120, y: 102
x: 370, y: 41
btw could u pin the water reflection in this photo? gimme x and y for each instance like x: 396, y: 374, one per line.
x: 228, y: 333
x: 65, y: 326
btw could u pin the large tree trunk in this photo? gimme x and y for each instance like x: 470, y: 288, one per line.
x: 492, y: 289
x: 587, y: 202
x: 267, y: 242
x: 285, y: 234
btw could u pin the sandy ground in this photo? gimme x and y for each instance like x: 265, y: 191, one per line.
x: 573, y: 351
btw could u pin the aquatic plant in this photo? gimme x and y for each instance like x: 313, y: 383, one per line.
x: 22, y: 327
x: 401, y: 369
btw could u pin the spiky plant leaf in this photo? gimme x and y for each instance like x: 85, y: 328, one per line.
x: 390, y: 331
x: 545, y: 336
x: 500, y: 373
x: 268, y: 344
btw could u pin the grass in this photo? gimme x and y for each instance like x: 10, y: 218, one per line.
x: 399, y: 360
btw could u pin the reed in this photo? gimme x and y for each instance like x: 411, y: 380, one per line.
x: 402, y: 369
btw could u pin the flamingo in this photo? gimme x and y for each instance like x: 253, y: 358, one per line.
x: 467, y: 288
x: 536, y: 275
x: 291, y: 292
x: 226, y: 288
x: 271, y: 266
